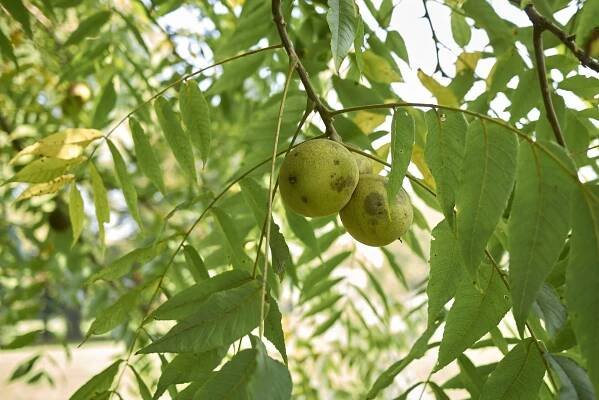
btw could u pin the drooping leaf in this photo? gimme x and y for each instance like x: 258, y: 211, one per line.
x: 23, y: 340
x: 472, y: 378
x: 178, y: 139
x: 582, y: 279
x: 188, y: 367
x: 66, y: 144
x: 518, y: 376
x: 273, y: 329
x: 6, y: 49
x: 185, y: 303
x: 122, y: 265
x: 49, y: 187
x: 220, y: 320
x: 395, y: 43
x: 98, y: 384
x: 100, y: 200
x: 24, y: 368
x: 402, y: 141
x: 45, y: 169
x: 341, y: 17
x: 551, y: 310
x: 574, y: 383
x: 146, y: 158
x: 444, y: 155
x: 321, y: 272
x: 443, y: 94
x: 76, y: 213
x: 302, y: 228
x: 250, y: 375
x: 474, y: 312
x: 239, y: 258
x: 446, y: 270
x: 195, y: 263
x: 88, y: 27
x: 105, y: 104
x: 124, y: 179
x: 196, y: 117
x: 488, y: 173
x: 460, y: 29
x: 538, y: 224
x: 378, y: 69
x: 144, y: 392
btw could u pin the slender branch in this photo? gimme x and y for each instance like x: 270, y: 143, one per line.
x: 435, y: 39
x: 320, y: 107
x: 537, y: 35
x: 271, y: 192
x: 541, y: 350
x: 543, y: 23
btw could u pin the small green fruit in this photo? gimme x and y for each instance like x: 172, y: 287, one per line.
x: 370, y: 219
x: 318, y: 177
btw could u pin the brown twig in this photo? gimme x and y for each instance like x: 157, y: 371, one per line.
x: 427, y: 16
x: 543, y: 23
x: 319, y: 106
x: 537, y: 39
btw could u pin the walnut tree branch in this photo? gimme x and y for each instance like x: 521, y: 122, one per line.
x: 435, y: 39
x: 544, y: 85
x: 319, y: 106
x: 540, y: 21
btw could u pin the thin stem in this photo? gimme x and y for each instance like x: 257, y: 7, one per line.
x: 320, y: 107
x: 271, y: 191
x: 435, y: 39
x: 537, y: 36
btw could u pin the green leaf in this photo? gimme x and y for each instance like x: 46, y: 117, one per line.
x: 317, y: 289
x: 220, y: 320
x: 23, y: 340
x: 184, y: 304
x: 460, y: 29
x: 518, y: 376
x: 105, y: 105
x: 24, y: 368
x: 402, y: 141
x: 273, y: 329
x: 281, y: 256
x: 6, y: 48
x: 188, y: 367
x: 446, y: 270
x: 100, y: 200
x: 443, y: 94
x: 488, y: 174
x: 582, y: 279
x: 538, y: 225
x: 378, y: 69
x: 342, y: 18
x: 125, y: 181
x: 395, y: 43
x: 325, y: 304
x: 250, y: 375
x: 472, y: 378
x: 195, y: 113
x: 141, y: 385
x: 98, y: 384
x: 195, y: 263
x: 551, y: 310
x: 474, y: 312
x: 500, y: 31
x: 574, y: 381
x: 178, y: 139
x: 76, y: 213
x: 88, y: 27
x: 444, y: 153
x: 239, y: 258
x: 146, y: 158
x: 19, y: 12
x: 122, y: 265
x: 303, y: 229
x: 327, y: 324
x: 322, y: 272
x: 45, y: 169
x: 359, y: 43
x: 236, y: 72
x: 587, y: 22
x: 417, y: 351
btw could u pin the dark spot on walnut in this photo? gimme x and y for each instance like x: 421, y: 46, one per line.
x: 341, y: 183
x: 292, y: 179
x: 336, y: 162
x: 374, y: 204
x: 304, y: 199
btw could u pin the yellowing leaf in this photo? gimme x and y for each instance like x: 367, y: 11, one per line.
x: 443, y: 94
x: 378, y: 69
x: 66, y: 144
x: 467, y: 61
x: 45, y: 169
x: 367, y: 121
x: 418, y: 160
x: 46, y: 188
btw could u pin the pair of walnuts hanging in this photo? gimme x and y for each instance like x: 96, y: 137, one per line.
x: 321, y: 177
